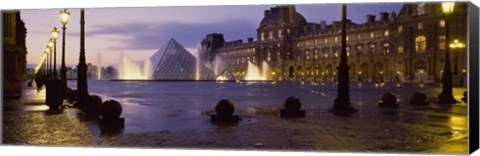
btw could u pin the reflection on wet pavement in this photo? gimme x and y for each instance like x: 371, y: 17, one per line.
x: 175, y: 114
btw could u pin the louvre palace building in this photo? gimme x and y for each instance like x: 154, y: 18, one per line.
x: 408, y: 46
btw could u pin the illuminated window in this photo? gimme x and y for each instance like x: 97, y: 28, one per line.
x: 359, y: 48
x: 420, y: 26
x: 325, y: 54
x: 306, y: 43
x: 325, y: 40
x: 420, y: 43
x: 371, y: 48
x: 372, y: 34
x: 279, y: 33
x: 298, y: 44
x: 270, y: 35
x: 315, y: 54
x: 336, y: 39
x: 288, y: 30
x: 348, y: 51
x: 400, y: 49
x: 269, y: 57
x: 421, y: 9
x: 441, y: 23
x: 307, y: 53
x: 400, y: 28
x: 359, y: 36
x: 316, y: 42
x: 441, y: 43
x: 253, y: 49
x: 346, y: 39
x: 262, y: 36
x: 385, y: 33
x: 386, y: 48
x: 336, y: 53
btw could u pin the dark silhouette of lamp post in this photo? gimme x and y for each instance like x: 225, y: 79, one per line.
x: 82, y: 86
x: 54, y: 40
x: 50, y: 46
x: 446, y: 97
x: 342, y: 103
x: 64, y: 15
x: 48, y: 63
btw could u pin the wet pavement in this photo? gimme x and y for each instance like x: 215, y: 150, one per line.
x: 177, y: 118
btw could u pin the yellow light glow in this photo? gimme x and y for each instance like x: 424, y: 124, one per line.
x: 50, y: 43
x: 447, y: 7
x: 64, y: 15
x: 55, y: 33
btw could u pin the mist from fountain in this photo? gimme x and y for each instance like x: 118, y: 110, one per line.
x: 253, y: 72
x: 130, y: 70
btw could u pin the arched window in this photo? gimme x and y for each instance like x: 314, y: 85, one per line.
x: 420, y: 43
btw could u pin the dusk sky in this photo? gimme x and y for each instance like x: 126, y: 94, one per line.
x: 140, y: 32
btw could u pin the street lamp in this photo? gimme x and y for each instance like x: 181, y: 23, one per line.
x: 50, y: 46
x: 48, y: 63
x: 341, y: 104
x: 456, y: 45
x: 447, y: 96
x: 64, y: 15
x: 54, y: 39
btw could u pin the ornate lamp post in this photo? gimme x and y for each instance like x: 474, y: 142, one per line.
x: 64, y: 15
x: 446, y: 96
x: 342, y: 103
x: 456, y: 45
x: 54, y: 40
x: 47, y: 61
x: 50, y: 46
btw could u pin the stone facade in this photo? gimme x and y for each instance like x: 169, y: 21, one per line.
x: 14, y: 53
x: 408, y: 46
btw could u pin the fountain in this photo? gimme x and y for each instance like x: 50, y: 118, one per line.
x: 253, y: 72
x: 99, y: 69
x: 130, y: 70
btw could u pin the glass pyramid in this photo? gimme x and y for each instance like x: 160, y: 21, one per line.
x: 174, y: 62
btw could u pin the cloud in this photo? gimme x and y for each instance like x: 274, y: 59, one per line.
x: 144, y: 35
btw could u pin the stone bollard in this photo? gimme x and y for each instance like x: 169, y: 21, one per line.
x: 224, y: 110
x: 465, y: 97
x: 419, y: 99
x: 54, y: 93
x: 71, y: 95
x: 292, y: 108
x: 388, y: 101
x: 110, y: 112
x: 93, y: 104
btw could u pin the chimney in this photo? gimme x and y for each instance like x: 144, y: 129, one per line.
x: 336, y: 24
x: 370, y: 18
x: 384, y: 16
x: 250, y: 40
x: 323, y: 25
x: 240, y: 41
x: 267, y: 12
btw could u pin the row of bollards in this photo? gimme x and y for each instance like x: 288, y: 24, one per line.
x: 389, y: 100
x: 225, y: 108
x: 107, y: 112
